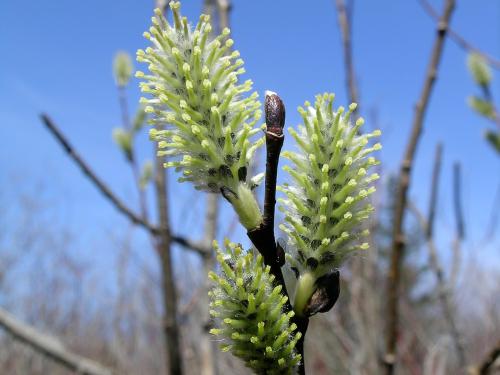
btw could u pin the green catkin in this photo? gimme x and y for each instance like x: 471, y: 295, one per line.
x: 328, y: 197
x: 195, y: 95
x: 253, y: 325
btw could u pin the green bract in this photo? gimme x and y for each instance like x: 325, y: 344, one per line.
x: 254, y: 325
x: 328, y: 197
x: 197, y: 103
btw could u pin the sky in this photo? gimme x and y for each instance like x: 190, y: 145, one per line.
x: 58, y: 58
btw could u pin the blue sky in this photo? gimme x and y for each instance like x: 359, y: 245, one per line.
x: 58, y: 56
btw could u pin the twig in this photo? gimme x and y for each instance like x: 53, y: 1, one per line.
x: 398, y: 241
x: 457, y: 203
x: 263, y: 236
x: 443, y: 292
x: 224, y: 7
x: 131, y: 158
x: 459, y: 220
x: 489, y: 360
x: 429, y: 228
x: 169, y: 290
x: 103, y: 188
x: 457, y: 38
x: 50, y: 347
x: 345, y: 20
x: 106, y: 191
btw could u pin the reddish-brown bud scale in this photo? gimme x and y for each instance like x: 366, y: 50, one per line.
x: 275, y: 114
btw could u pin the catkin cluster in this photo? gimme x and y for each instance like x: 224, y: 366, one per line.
x: 328, y: 197
x: 253, y: 323
x: 203, y: 118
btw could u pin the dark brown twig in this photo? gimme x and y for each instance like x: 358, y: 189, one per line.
x: 489, y: 360
x: 263, y: 236
x: 198, y: 247
x: 50, y: 347
x: 398, y: 240
x: 344, y: 14
x: 457, y: 38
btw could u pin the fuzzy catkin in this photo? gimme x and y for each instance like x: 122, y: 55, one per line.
x: 204, y: 118
x: 328, y: 196
x: 250, y: 310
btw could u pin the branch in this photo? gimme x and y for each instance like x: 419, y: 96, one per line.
x: 429, y: 227
x: 489, y: 361
x: 459, y: 220
x: 457, y: 38
x: 225, y: 7
x: 101, y: 186
x: 444, y: 295
x: 398, y: 241
x: 457, y: 203
x: 106, y: 191
x: 50, y: 347
x: 344, y: 19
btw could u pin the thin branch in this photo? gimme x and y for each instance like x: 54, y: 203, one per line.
x: 489, y: 360
x: 263, y: 237
x: 459, y: 220
x: 101, y: 186
x: 131, y: 157
x: 457, y: 38
x: 224, y: 7
x: 344, y: 14
x: 444, y: 294
x: 169, y: 289
x: 50, y: 347
x: 457, y: 202
x: 429, y: 228
x: 398, y: 240
x: 106, y: 191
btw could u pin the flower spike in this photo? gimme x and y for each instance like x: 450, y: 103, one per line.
x: 204, y: 118
x: 328, y: 198
x: 250, y: 310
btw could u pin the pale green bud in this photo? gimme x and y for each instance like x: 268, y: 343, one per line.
x: 479, y: 69
x: 122, y: 68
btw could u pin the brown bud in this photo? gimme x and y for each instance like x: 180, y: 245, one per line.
x: 275, y: 113
x: 326, y: 294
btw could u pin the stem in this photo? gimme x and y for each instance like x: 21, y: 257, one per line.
x: 171, y: 329
x: 263, y: 236
x: 398, y: 239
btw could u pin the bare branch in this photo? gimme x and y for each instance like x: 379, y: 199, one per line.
x: 101, y: 186
x: 434, y: 191
x: 50, y: 347
x: 457, y: 203
x: 224, y: 7
x: 489, y: 361
x: 106, y: 191
x: 344, y: 14
x: 398, y: 240
x: 444, y: 294
x: 457, y: 38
